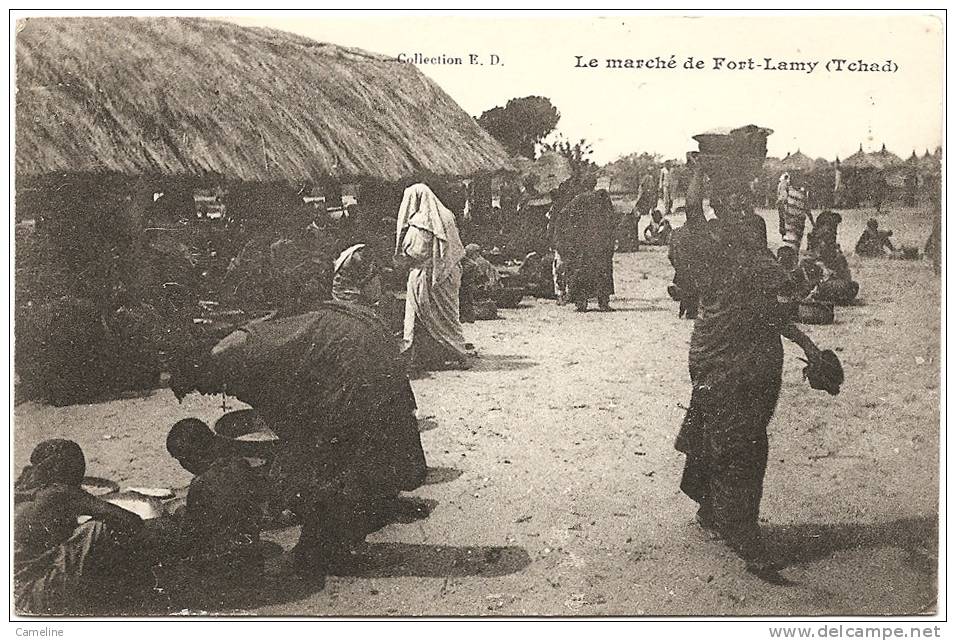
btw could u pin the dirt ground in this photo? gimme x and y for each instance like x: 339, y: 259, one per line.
x: 554, y: 482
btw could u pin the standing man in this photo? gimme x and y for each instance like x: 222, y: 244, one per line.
x: 646, y: 202
x: 558, y: 271
x: 783, y: 191
x: 688, y: 248
x: 797, y: 211
x: 666, y: 187
x: 584, y: 238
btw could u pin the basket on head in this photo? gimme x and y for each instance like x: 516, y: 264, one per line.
x: 733, y: 155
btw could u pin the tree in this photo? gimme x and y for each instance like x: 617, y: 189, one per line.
x: 521, y: 123
x: 627, y: 171
x: 578, y: 155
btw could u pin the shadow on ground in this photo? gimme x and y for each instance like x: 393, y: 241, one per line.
x: 501, y: 362
x: 438, y: 475
x: 808, y: 542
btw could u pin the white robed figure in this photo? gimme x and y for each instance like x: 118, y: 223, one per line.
x: 427, y: 239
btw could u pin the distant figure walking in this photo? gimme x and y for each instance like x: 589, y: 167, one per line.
x: 585, y: 241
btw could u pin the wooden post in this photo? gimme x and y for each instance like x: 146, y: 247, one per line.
x: 140, y: 195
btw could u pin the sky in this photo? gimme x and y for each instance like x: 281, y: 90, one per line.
x: 620, y: 111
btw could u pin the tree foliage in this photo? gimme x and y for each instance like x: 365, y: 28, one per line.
x: 521, y: 123
x: 578, y: 155
x: 627, y: 171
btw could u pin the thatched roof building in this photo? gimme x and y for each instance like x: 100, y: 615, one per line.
x: 797, y: 161
x: 885, y: 159
x: 188, y: 96
x: 930, y: 163
x: 860, y: 160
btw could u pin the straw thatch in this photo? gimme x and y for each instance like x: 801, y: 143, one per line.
x: 885, y: 159
x: 929, y: 163
x: 861, y: 160
x: 187, y: 96
x: 797, y: 161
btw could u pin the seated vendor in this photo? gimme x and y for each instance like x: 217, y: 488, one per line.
x: 59, y: 566
x: 825, y: 229
x: 835, y: 285
x: 479, y: 283
x: 658, y: 232
x: 356, y: 278
x: 874, y: 242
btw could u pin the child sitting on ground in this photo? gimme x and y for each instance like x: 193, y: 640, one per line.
x: 658, y: 232
x: 220, y: 524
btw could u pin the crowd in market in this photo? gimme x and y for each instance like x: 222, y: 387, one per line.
x: 330, y: 378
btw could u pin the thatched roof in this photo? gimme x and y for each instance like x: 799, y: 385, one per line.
x: 187, y: 96
x: 797, y: 161
x: 929, y: 163
x: 884, y: 159
x: 860, y: 160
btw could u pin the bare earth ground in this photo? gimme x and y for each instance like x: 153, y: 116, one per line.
x: 556, y: 483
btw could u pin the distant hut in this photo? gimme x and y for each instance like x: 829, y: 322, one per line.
x: 861, y: 175
x: 822, y: 183
x: 797, y: 162
x: 885, y: 159
x: 930, y: 163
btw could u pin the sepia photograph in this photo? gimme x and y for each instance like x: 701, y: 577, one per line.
x: 552, y: 314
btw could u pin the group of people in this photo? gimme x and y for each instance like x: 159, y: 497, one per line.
x: 328, y: 378
x: 331, y: 381
x: 327, y: 381
x: 824, y: 273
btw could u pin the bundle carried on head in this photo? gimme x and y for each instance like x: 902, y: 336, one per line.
x: 732, y: 158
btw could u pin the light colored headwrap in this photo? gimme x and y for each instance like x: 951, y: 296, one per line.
x: 421, y: 208
x: 345, y: 255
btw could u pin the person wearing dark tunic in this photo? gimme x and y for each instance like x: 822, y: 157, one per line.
x: 825, y: 229
x: 835, y: 284
x: 874, y: 242
x: 60, y: 567
x: 735, y: 363
x: 646, y: 196
x: 329, y: 383
x: 934, y: 244
x: 687, y: 252
x: 479, y: 284
x: 585, y: 242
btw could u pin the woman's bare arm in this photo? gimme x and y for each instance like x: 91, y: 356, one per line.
x: 118, y: 519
